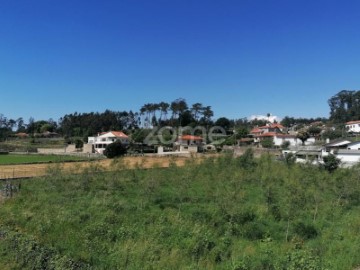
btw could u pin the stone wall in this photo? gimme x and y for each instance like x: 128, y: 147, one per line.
x: 68, y: 149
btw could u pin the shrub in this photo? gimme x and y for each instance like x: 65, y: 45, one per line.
x: 247, y: 160
x: 290, y: 159
x: 285, y: 145
x: 115, y: 149
x: 79, y: 143
x: 267, y: 143
x: 306, y: 231
x: 331, y: 163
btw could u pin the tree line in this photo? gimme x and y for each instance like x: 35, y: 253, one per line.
x: 344, y: 106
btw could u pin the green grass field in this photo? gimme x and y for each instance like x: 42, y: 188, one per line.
x: 226, y: 213
x: 12, y: 159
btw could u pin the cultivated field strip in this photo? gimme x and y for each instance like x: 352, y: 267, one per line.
x: 37, y: 170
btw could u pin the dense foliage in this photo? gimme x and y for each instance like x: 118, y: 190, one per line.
x: 115, y: 149
x: 226, y: 213
x: 345, y: 106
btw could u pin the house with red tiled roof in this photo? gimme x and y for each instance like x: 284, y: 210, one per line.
x: 189, y: 143
x: 190, y: 140
x: 353, y: 126
x: 22, y: 135
x: 105, y: 138
x: 270, y: 128
x: 276, y: 132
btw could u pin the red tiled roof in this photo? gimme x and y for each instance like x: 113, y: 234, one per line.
x: 246, y: 140
x: 353, y: 122
x: 269, y: 134
x: 119, y: 134
x: 285, y: 136
x: 191, y: 138
x: 21, y: 134
x: 255, y: 130
x: 279, y: 126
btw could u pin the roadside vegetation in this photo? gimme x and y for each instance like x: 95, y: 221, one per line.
x: 225, y: 213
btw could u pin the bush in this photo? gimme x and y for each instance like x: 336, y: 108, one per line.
x: 115, y: 149
x: 267, y: 143
x: 306, y: 231
x: 247, y: 160
x: 331, y: 163
x: 79, y: 143
x: 285, y: 145
x: 290, y: 159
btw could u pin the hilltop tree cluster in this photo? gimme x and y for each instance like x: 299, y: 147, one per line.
x: 176, y: 113
x: 344, y: 106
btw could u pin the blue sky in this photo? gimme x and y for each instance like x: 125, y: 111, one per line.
x: 241, y: 57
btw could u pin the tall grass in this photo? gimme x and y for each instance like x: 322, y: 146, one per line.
x: 225, y: 213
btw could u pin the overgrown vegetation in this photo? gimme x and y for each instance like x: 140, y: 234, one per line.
x: 226, y: 213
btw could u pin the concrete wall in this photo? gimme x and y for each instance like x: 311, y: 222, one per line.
x: 348, y: 156
x: 189, y: 148
x: 68, y: 149
x: 51, y: 151
x: 238, y: 151
x: 88, y: 148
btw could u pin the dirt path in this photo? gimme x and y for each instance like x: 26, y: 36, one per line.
x: 32, y: 170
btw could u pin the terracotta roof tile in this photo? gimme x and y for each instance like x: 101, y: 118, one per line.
x: 191, y: 138
x: 353, y: 122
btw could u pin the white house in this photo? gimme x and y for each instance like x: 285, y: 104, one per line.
x: 189, y: 143
x: 104, y: 139
x: 279, y: 139
x: 348, y: 157
x: 353, y: 146
x: 348, y: 152
x: 353, y: 126
x: 336, y: 144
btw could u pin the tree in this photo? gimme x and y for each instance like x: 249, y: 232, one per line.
x: 314, y: 131
x: 332, y: 134
x: 224, y: 123
x: 20, y: 125
x: 345, y: 106
x: 164, y: 106
x: 196, y: 109
x: 207, y: 113
x: 115, y: 149
x: 303, y: 135
x: 241, y: 132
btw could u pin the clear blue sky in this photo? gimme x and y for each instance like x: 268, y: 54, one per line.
x: 241, y: 57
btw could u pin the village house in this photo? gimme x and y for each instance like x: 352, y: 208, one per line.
x: 100, y: 142
x: 346, y: 151
x: 189, y: 143
x: 276, y: 132
x: 353, y: 126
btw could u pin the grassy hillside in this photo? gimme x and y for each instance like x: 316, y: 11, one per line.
x: 223, y: 214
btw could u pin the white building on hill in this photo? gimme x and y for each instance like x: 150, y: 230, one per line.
x: 353, y: 126
x: 104, y: 139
